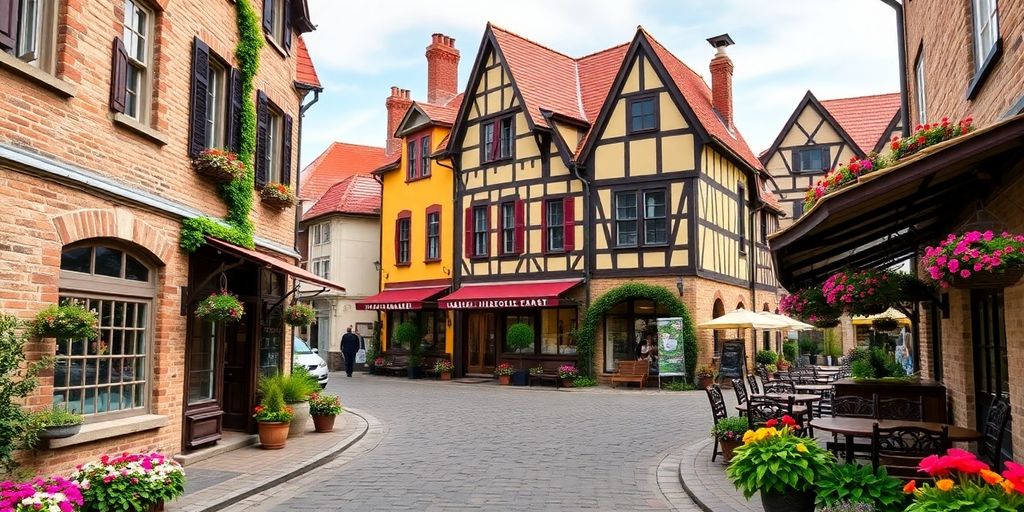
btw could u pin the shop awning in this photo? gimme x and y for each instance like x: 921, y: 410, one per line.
x: 401, y: 298
x: 884, y: 217
x: 273, y: 263
x: 520, y: 294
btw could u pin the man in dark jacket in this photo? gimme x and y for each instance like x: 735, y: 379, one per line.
x: 349, y: 347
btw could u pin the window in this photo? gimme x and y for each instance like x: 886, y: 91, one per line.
x: 418, y: 158
x: 273, y: 143
x: 625, y: 219
x: 655, y: 218
x: 411, y: 160
x: 431, y: 324
x: 322, y: 267
x: 107, y: 376
x: 434, y: 235
x: 512, y: 319
x: 556, y: 324
x: 28, y: 31
x: 922, y: 104
x: 321, y: 233
x: 273, y: 155
x: 554, y: 225
x: 986, y: 31
x: 508, y: 227
x: 425, y: 156
x: 741, y: 217
x: 631, y: 332
x: 402, y: 236
x: 642, y: 115
x: 216, y: 104
x: 481, y: 228
x: 138, y: 44
x: 497, y: 139
x: 812, y: 159
x: 276, y: 22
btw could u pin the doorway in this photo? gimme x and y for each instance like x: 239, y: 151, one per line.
x: 482, y: 342
x: 239, y: 394
x: 991, y: 371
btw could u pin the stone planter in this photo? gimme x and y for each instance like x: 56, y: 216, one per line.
x: 446, y: 375
x: 504, y: 380
x: 727, y: 448
x: 792, y: 501
x: 300, y: 420
x: 59, y: 432
x: 273, y: 434
x: 324, y: 423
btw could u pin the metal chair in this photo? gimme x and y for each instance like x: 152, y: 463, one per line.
x: 900, y: 449
x: 904, y: 409
x: 718, y: 412
x: 762, y: 372
x: 752, y: 382
x: 996, y: 421
x: 854, y: 406
x: 761, y: 409
x: 783, y: 388
x: 740, y: 389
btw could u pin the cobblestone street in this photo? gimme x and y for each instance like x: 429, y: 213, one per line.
x: 453, y: 446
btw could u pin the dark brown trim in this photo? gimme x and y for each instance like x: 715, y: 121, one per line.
x: 891, y: 127
x: 981, y: 76
x: 642, y: 98
x: 809, y: 99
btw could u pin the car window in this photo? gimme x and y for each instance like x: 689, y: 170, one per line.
x: 301, y: 348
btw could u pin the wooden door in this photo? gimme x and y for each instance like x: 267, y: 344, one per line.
x: 991, y: 371
x: 482, y: 342
x: 238, y: 397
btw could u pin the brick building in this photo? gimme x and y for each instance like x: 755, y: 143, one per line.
x: 962, y: 59
x: 104, y: 105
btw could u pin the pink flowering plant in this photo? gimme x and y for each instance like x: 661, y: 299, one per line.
x: 928, y: 135
x: 54, y: 494
x: 299, y: 315
x: 218, y: 307
x: 809, y: 305
x: 504, y: 369
x: 863, y: 292
x: 129, y: 482
x: 568, y: 371
x: 973, y: 252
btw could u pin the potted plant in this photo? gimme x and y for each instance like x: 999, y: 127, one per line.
x: 705, y: 376
x: 962, y: 482
x: 537, y: 370
x: 869, y: 292
x: 378, y: 363
x: 220, y: 306
x: 272, y: 415
x: 219, y: 164
x: 833, y: 346
x: 278, y: 196
x: 729, y: 433
x: 766, y: 357
x: 847, y: 483
x: 504, y: 372
x: 53, y: 493
x: 69, y: 320
x: 407, y: 334
x: 519, y: 337
x: 885, y: 324
x: 57, y: 422
x: 794, y: 461
x: 299, y: 315
x: 130, y: 481
x: 297, y: 387
x: 568, y: 374
x: 976, y: 259
x: 444, y: 368
x: 782, y: 365
x: 324, y: 409
x: 809, y: 348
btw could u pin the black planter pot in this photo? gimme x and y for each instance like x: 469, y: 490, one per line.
x: 520, y: 378
x: 813, y: 358
x: 413, y: 372
x: 791, y: 501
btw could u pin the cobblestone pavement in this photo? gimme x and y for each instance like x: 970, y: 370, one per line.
x: 453, y: 446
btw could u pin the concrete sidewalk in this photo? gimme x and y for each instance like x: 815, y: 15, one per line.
x: 230, y: 477
x: 707, y: 485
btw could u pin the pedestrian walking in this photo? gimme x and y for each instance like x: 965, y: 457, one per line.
x: 349, y: 347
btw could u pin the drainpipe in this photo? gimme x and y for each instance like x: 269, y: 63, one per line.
x: 901, y: 42
x: 298, y: 180
x: 576, y: 169
x: 455, y: 272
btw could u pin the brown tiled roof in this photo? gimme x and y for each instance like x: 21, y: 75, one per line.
x: 338, y: 162
x: 305, y: 72
x: 358, y: 195
x: 865, y: 118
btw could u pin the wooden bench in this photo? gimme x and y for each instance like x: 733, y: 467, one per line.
x: 395, y: 364
x: 632, y: 371
x: 550, y: 373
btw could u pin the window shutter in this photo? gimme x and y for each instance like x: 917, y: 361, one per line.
x: 8, y: 24
x: 495, y: 140
x: 569, y: 236
x: 468, y: 233
x: 234, y: 120
x: 262, y: 120
x: 826, y: 159
x: 544, y: 226
x: 795, y: 160
x: 287, y: 25
x: 398, y: 229
x: 119, y: 77
x: 286, y: 150
x: 520, y: 233
x: 200, y: 89
x: 268, y: 16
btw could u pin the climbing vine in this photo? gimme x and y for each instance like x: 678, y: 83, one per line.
x: 635, y: 290
x: 237, y: 193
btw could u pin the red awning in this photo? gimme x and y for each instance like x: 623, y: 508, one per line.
x: 400, y: 298
x: 533, y: 294
x: 274, y: 263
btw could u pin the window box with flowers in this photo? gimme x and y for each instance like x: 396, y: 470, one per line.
x: 976, y: 259
x: 299, y: 315
x: 444, y: 368
x: 130, y: 481
x: 278, y: 196
x: 220, y: 307
x: 504, y: 372
x: 219, y: 165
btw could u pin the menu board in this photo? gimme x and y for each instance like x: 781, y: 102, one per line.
x: 733, y: 356
x: 670, y: 348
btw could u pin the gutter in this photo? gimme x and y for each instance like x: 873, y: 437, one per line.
x: 901, y: 42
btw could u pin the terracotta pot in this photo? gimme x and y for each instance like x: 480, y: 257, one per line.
x: 567, y: 383
x: 446, y: 375
x: 727, y: 448
x: 706, y: 382
x: 323, y: 423
x: 791, y: 501
x: 273, y: 434
x: 504, y: 380
x: 156, y: 507
x: 300, y: 420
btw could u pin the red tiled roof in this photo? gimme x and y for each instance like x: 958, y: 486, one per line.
x: 865, y: 118
x: 305, y: 73
x: 338, y: 162
x: 444, y: 114
x: 358, y: 194
x: 767, y: 196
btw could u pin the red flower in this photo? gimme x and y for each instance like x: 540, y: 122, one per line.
x: 771, y: 423
x: 788, y: 420
x: 910, y: 487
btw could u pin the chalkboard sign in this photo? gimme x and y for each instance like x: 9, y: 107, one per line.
x: 733, y: 356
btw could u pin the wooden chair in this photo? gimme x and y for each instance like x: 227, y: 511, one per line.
x: 631, y: 371
x: 780, y: 387
x: 990, y: 449
x: 718, y: 412
x: 900, y: 449
x: 761, y: 409
x: 904, y: 409
x: 752, y: 382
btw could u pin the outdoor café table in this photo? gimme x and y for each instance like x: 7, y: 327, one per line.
x: 813, y: 388
x: 783, y: 397
x: 864, y: 427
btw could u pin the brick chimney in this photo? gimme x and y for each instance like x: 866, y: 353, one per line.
x: 398, y: 103
x: 721, y: 78
x: 442, y: 69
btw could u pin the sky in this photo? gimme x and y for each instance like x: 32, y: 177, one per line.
x: 835, y: 48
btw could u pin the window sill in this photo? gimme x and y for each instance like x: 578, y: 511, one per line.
x: 985, y: 70
x: 509, y: 256
x: 436, y: 260
x: 500, y: 161
x: 402, y: 265
x: 418, y: 178
x: 641, y: 131
x: 26, y: 70
x: 114, y: 428
x: 139, y: 128
x: 479, y: 257
x: 275, y: 45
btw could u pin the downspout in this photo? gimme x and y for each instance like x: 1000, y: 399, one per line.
x: 455, y: 271
x: 303, y: 108
x: 901, y: 42
x: 380, y: 262
x: 587, y: 266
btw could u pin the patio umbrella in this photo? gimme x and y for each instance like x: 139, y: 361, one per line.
x: 744, y: 319
x: 793, y: 323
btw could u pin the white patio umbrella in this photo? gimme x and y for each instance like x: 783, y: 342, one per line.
x: 745, y: 319
x: 794, y: 324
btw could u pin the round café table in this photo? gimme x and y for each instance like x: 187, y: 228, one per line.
x: 804, y: 401
x: 864, y: 427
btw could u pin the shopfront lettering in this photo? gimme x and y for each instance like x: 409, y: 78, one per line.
x: 498, y: 304
x: 388, y: 306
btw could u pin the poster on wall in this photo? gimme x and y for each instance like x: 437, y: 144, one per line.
x: 670, y: 358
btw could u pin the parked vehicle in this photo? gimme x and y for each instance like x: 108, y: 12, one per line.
x: 308, y: 357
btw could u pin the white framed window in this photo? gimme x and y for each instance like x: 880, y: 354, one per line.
x: 481, y: 231
x: 35, y: 38
x: 275, y: 141
x: 508, y: 227
x: 433, y: 236
x: 216, y: 105
x: 138, y: 42
x: 276, y: 14
x: 922, y: 101
x: 321, y: 233
x: 555, y: 224
x: 322, y: 267
x: 655, y: 218
x: 986, y: 30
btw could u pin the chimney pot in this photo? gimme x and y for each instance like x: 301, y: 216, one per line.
x: 442, y: 69
x: 397, y: 104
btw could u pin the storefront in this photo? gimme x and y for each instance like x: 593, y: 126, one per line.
x: 417, y: 303
x: 631, y: 333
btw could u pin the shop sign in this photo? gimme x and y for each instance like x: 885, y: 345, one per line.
x: 671, y: 360
x: 498, y: 303
x: 387, y: 306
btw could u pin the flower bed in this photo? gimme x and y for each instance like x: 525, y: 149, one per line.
x: 54, y: 494
x: 961, y: 257
x: 130, y: 481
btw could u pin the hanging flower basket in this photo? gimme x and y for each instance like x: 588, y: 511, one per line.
x: 299, y: 315
x: 885, y: 324
x: 68, y: 321
x: 976, y: 259
x: 825, y: 323
x: 278, y: 196
x: 809, y: 305
x: 220, y: 307
x: 865, y: 292
x: 219, y: 165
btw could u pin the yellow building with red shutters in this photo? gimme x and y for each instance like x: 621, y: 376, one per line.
x: 416, y: 208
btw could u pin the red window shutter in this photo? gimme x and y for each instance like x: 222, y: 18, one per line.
x: 468, y: 233
x: 119, y: 77
x: 520, y: 233
x: 569, y: 204
x: 200, y: 91
x: 8, y: 24
x: 544, y: 226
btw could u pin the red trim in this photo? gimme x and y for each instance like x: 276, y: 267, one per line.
x: 508, y: 295
x: 520, y: 234
x: 400, y: 299
x: 467, y: 229
x: 569, y: 223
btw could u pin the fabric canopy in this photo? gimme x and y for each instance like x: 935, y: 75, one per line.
x: 889, y: 313
x: 794, y: 324
x: 744, y: 319
x: 274, y: 263
x: 400, y: 298
x: 522, y: 294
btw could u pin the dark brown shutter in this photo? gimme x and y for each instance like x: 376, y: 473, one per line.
x: 8, y: 24
x: 795, y: 160
x: 268, y: 16
x: 119, y: 77
x: 520, y: 233
x: 468, y: 233
x: 200, y: 90
x: 262, y: 122
x: 287, y: 25
x: 234, y: 120
x: 286, y: 150
x: 544, y: 226
x: 569, y: 220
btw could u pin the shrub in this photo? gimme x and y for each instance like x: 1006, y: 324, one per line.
x: 272, y: 407
x: 294, y: 387
x: 677, y: 385
x: 846, y: 506
x: 519, y: 336
x: 408, y: 336
x: 766, y: 357
x: 789, y: 350
x: 874, y: 363
x: 584, y: 382
x: 70, y: 320
x: 859, y: 484
x: 809, y: 346
x: 17, y: 381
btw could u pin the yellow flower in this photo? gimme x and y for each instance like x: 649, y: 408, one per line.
x: 801, y: 448
x: 748, y: 436
x: 944, y: 485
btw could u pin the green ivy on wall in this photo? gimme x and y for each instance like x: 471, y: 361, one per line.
x: 635, y: 290
x: 237, y: 194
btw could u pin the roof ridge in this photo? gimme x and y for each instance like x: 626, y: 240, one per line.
x: 579, y: 91
x: 527, y: 39
x: 863, y: 96
x: 674, y: 56
x: 340, y: 142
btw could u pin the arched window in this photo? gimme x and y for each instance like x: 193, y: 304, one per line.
x: 109, y: 376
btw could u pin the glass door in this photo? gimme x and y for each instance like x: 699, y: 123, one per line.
x: 991, y: 374
x: 482, y: 346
